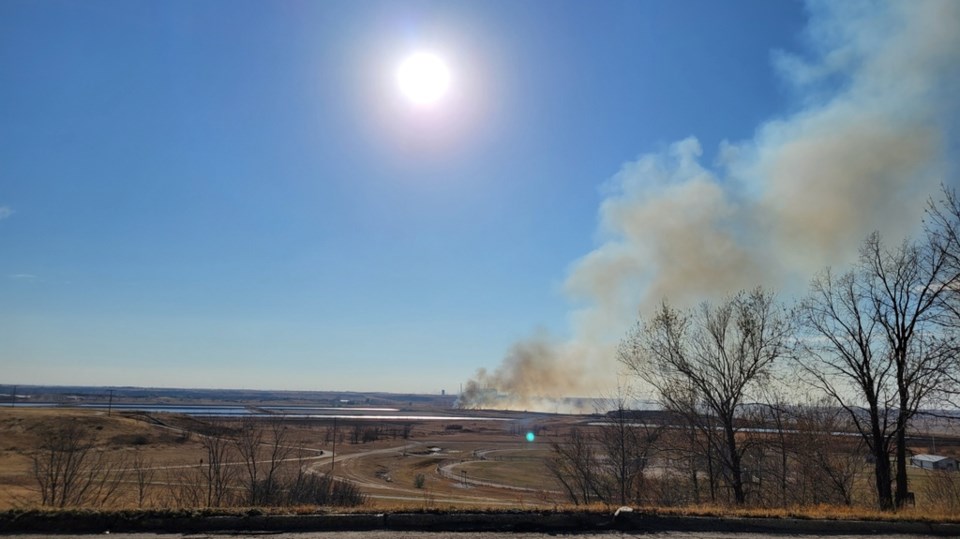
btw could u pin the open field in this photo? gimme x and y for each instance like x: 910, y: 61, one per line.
x: 385, y: 469
x: 411, y: 465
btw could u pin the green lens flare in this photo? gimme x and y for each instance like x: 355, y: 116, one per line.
x: 530, y: 436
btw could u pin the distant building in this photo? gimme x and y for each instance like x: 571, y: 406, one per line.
x: 934, y: 462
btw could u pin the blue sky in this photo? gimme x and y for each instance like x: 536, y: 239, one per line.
x: 233, y: 194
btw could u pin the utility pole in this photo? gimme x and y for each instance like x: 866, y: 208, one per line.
x: 13, y: 398
x: 110, y: 404
x: 333, y: 457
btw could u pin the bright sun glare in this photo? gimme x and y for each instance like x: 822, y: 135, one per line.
x: 423, y: 78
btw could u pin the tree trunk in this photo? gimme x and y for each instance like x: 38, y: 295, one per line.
x: 902, y: 415
x: 901, y: 458
x: 881, y: 464
x: 882, y: 473
x: 736, y: 474
x: 711, y: 475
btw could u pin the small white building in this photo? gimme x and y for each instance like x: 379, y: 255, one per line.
x: 934, y: 462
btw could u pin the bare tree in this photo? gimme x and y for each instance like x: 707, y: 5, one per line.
x: 943, y: 230
x: 843, y: 354
x: 626, y: 448
x: 722, y: 352
x: 774, y: 414
x: 881, y: 329
x: 248, y: 442
x: 827, y: 457
x: 699, y: 437
x: 143, y: 473
x: 906, y: 286
x: 941, y: 489
x: 217, y: 474
x: 279, y: 452
x: 263, y: 450
x: 573, y: 464
x: 71, y: 471
x: 185, y: 487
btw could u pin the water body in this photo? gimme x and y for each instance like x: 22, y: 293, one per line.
x: 275, y: 412
x: 410, y: 417
x: 304, y: 409
x: 149, y: 408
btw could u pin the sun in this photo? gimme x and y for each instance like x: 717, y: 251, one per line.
x: 423, y: 78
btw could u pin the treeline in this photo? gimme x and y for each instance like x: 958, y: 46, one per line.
x: 250, y: 464
x: 363, y: 433
x: 791, y: 455
x: 874, y: 343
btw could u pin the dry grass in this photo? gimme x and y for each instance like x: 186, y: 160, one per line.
x: 20, y: 428
x: 524, y: 474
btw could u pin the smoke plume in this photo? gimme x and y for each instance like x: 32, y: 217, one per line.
x: 868, y: 146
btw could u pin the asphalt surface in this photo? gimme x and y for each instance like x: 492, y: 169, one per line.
x: 462, y: 535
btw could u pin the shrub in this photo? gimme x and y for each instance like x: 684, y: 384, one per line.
x: 130, y: 439
x: 318, y: 490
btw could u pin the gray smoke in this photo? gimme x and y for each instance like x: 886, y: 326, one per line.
x: 868, y: 147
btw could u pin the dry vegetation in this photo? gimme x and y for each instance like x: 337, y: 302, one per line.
x: 478, y: 466
x: 173, y: 462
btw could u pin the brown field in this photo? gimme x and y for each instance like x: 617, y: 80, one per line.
x: 385, y: 469
x: 464, y: 464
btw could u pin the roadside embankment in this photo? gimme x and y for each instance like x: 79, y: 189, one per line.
x: 74, y: 522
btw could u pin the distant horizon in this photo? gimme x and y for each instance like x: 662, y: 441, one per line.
x: 408, y: 196
x: 255, y: 390
x: 198, y: 388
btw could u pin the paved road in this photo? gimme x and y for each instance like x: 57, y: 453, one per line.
x: 346, y: 468
x: 475, y: 535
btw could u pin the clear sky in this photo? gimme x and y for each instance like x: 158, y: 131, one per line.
x: 236, y: 194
